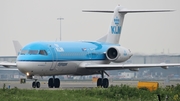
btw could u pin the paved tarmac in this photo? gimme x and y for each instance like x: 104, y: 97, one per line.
x: 74, y: 84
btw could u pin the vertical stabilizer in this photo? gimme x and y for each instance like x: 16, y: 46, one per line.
x: 17, y: 47
x: 115, y: 27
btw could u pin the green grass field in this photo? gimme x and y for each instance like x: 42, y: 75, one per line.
x: 113, y: 93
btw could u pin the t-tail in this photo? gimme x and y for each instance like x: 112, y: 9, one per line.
x: 115, y: 28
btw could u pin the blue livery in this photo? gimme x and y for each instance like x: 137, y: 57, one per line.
x: 63, y: 51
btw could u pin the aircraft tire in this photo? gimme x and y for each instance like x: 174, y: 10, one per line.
x: 34, y: 84
x: 38, y: 84
x: 57, y: 83
x: 105, y: 83
x: 50, y: 83
x: 99, y: 82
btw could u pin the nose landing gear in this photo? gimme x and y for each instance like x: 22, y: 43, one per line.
x: 36, y: 84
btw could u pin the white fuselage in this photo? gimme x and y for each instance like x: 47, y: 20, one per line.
x: 66, y: 58
x: 57, y: 68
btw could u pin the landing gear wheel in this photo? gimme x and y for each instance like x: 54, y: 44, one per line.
x: 38, y: 84
x: 105, y: 83
x: 99, y: 82
x: 50, y: 83
x: 34, y: 84
x: 56, y: 83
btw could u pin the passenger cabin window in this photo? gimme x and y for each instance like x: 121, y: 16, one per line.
x: 23, y: 52
x: 33, y: 52
x: 42, y: 52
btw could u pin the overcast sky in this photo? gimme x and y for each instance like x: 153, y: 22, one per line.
x: 36, y: 20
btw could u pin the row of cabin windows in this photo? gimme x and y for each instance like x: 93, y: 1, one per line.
x: 43, y: 52
x: 34, y: 52
x: 80, y: 54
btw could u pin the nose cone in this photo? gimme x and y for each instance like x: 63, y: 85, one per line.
x: 30, y: 68
x: 22, y: 67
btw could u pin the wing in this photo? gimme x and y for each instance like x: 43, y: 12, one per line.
x: 8, y: 64
x: 9, y: 69
x: 125, y: 66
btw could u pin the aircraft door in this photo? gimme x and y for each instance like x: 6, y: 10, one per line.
x: 54, y: 57
x: 89, y: 54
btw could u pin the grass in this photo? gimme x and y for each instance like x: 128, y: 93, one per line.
x: 113, y: 93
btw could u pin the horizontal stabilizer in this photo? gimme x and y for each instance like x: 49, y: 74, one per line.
x: 130, y: 11
x: 141, y: 11
x: 99, y: 11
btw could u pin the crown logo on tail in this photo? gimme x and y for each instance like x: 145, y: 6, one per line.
x: 116, y: 29
x: 116, y: 20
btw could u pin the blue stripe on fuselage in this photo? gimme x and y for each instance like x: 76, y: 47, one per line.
x: 66, y: 51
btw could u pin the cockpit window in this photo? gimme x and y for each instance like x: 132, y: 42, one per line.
x: 33, y: 52
x: 42, y: 52
x: 23, y: 52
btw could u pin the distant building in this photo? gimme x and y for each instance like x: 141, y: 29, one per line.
x: 126, y: 75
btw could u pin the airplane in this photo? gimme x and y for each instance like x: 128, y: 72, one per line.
x: 53, y: 58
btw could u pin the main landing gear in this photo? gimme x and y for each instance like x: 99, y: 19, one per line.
x: 103, y: 82
x: 54, y: 82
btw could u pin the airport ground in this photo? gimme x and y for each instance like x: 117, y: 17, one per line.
x: 77, y: 84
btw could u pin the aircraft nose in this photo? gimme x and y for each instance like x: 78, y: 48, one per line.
x: 21, y: 67
x: 25, y: 67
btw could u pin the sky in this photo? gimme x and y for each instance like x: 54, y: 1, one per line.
x: 36, y: 20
